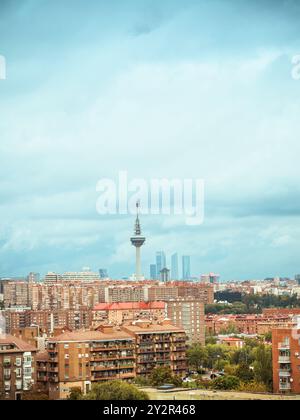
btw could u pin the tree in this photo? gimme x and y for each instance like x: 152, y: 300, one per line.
x: 226, y: 383
x: 33, y: 395
x: 217, y: 353
x: 244, y: 373
x: 263, y: 365
x: 116, y: 390
x: 243, y: 355
x: 163, y: 375
x: 75, y: 394
x: 197, y: 356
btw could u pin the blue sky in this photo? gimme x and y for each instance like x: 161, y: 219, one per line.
x: 167, y: 88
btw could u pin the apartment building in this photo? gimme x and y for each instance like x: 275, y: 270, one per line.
x: 159, y: 345
x: 48, y: 320
x: 17, y: 367
x: 16, y: 293
x: 79, y: 359
x: 246, y: 324
x: 189, y: 315
x: 286, y: 360
x: 125, y: 293
x: 124, y: 312
x: 175, y: 290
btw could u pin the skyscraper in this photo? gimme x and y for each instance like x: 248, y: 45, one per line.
x: 153, y: 273
x: 103, y: 273
x: 138, y: 241
x: 160, y: 262
x: 174, y: 267
x: 186, y: 267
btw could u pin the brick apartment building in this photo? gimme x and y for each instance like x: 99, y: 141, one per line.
x: 17, y: 367
x: 48, y: 320
x: 79, y: 359
x: 246, y: 324
x: 286, y: 360
x: 159, y: 345
x: 74, y: 295
x: 124, y: 312
x: 189, y: 315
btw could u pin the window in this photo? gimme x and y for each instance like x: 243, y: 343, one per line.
x: 18, y: 373
x: 66, y: 346
x: 18, y: 361
x: 18, y: 385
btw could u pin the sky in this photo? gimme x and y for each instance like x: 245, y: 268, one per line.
x: 161, y: 89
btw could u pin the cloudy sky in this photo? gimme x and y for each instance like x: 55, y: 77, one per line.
x: 173, y: 88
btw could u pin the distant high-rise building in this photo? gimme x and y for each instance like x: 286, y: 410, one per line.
x: 160, y: 262
x: 297, y: 278
x: 33, y: 277
x: 174, y: 267
x: 103, y: 273
x: 153, y: 273
x: 165, y: 274
x: 186, y: 267
x: 210, y: 278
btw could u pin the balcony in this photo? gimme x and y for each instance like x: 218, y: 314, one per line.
x: 283, y: 346
x: 284, y: 359
x: 284, y: 373
x: 42, y: 378
x: 285, y: 387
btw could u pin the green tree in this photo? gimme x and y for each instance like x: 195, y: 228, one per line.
x: 197, y: 356
x: 116, y: 390
x: 75, y: 394
x: 244, y: 373
x: 226, y: 383
x: 263, y: 365
x: 33, y: 395
x: 164, y: 375
x: 216, y: 353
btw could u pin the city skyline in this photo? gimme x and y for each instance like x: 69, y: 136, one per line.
x: 167, y: 89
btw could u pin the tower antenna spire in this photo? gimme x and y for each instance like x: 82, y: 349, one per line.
x: 138, y: 241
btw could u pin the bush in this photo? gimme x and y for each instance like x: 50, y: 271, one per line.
x: 75, y: 394
x: 164, y: 375
x: 142, y: 381
x: 226, y: 383
x: 230, y: 370
x: 116, y: 390
x: 253, y: 386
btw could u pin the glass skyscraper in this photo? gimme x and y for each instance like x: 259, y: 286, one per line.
x: 186, y: 267
x: 160, y: 263
x: 153, y: 273
x: 174, y: 267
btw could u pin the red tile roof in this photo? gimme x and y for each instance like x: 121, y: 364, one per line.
x: 129, y: 305
x: 18, y: 344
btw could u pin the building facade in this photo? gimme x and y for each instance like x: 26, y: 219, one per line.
x: 286, y: 360
x: 17, y: 367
